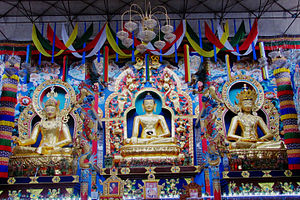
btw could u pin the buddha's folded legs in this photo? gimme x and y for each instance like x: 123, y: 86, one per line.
x: 24, y: 150
x: 33, y: 150
x: 162, y: 141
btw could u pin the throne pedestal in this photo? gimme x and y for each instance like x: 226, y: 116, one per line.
x: 154, y: 152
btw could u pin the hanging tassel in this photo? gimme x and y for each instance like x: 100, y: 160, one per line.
x: 40, y: 55
x: 28, y: 52
x: 215, y: 50
x: 176, y: 56
x: 228, y: 67
x: 132, y: 51
x: 106, y: 54
x: 147, y: 67
x: 187, y: 63
x: 65, y: 63
x: 200, y: 38
x: 84, y: 45
x: 117, y: 41
x: 98, y: 54
x: 237, y: 45
x: 53, y: 45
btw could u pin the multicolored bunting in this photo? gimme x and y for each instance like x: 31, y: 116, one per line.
x: 253, y: 32
x: 43, y: 46
x: 8, y: 101
x: 96, y: 44
x: 40, y: 47
x: 200, y: 50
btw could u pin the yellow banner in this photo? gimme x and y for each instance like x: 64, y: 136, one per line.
x: 40, y: 47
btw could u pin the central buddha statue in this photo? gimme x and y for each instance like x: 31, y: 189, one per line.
x: 154, y: 140
x: 154, y: 127
x: 55, y: 133
x: 249, y: 123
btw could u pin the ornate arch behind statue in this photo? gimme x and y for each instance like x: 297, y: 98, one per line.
x: 173, y: 105
x: 262, y: 107
x: 61, y: 95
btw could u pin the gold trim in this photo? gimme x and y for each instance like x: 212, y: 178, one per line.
x: 37, y: 104
x: 11, y: 180
x: 56, y: 179
x: 175, y: 169
x: 225, y: 174
x: 243, y: 79
x: 75, y: 179
x: 125, y: 170
x: 288, y: 173
x: 33, y: 179
x: 267, y: 173
x: 245, y: 174
x: 150, y: 170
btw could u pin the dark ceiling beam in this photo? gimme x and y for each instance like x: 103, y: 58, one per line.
x: 3, y: 35
x: 28, y: 15
x: 20, y: 9
x: 194, y: 7
x: 51, y: 5
x: 207, y: 7
x: 293, y: 19
x: 8, y: 11
x: 171, y: 8
x: 106, y: 10
x: 291, y: 24
x: 118, y: 10
x: 283, y: 8
x: 247, y: 9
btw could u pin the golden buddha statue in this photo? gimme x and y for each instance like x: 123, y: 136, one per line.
x: 154, y: 127
x: 249, y: 123
x: 155, y: 139
x: 53, y: 129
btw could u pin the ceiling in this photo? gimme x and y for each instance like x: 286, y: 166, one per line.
x: 276, y: 17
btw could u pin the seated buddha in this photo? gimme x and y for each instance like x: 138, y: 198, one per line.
x: 154, y: 127
x: 155, y: 137
x: 249, y: 123
x: 54, y: 131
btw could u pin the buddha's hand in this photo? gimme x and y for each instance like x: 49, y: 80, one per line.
x: 262, y: 140
x: 134, y: 140
x: 247, y: 140
x: 47, y: 146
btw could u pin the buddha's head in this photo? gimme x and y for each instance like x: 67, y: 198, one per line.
x: 51, y: 108
x: 149, y: 103
x: 51, y: 105
x: 246, y: 99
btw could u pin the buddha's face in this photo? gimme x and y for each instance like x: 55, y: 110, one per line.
x: 247, y: 105
x: 149, y: 105
x: 50, y: 111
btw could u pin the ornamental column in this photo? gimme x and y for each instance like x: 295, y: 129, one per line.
x: 288, y: 116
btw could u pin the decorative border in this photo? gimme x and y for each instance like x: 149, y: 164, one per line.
x: 37, y: 103
x: 242, y: 79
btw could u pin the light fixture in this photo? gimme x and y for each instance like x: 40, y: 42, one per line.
x: 146, y: 24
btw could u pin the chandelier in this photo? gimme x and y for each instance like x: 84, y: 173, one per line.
x: 146, y: 23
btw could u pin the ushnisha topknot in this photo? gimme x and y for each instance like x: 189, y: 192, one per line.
x: 148, y: 97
